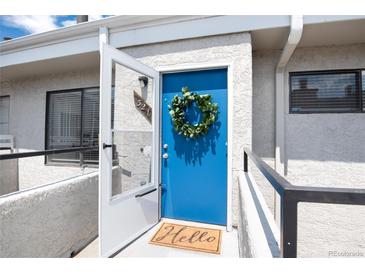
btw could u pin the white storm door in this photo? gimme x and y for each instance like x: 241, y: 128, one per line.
x: 129, y: 155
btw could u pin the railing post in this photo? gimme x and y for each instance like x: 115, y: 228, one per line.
x: 289, y: 226
x: 81, y: 158
x: 245, y: 162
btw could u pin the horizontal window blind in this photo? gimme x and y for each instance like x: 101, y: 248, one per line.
x: 363, y: 89
x: 4, y: 114
x: 64, y: 123
x: 73, y: 121
x: 90, y: 123
x: 325, y: 92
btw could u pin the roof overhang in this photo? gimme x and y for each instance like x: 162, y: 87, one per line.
x: 82, y: 41
x: 127, y: 31
x: 317, y: 31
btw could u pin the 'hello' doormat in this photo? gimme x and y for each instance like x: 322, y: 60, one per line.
x: 188, y: 237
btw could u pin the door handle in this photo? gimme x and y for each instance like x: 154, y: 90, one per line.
x: 106, y: 145
x: 145, y: 193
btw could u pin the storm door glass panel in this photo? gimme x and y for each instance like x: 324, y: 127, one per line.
x: 325, y: 92
x: 64, y: 124
x: 4, y: 114
x: 90, y: 123
x: 131, y: 130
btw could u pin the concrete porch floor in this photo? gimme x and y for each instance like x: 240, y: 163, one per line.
x: 142, y: 248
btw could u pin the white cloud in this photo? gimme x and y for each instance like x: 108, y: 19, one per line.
x: 95, y: 17
x: 40, y: 23
x: 32, y: 23
x: 67, y: 23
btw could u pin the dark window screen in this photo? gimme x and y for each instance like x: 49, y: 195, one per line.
x: 363, y: 89
x: 325, y: 92
x: 4, y: 114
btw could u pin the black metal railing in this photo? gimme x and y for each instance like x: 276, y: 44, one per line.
x: 46, y: 152
x: 291, y: 195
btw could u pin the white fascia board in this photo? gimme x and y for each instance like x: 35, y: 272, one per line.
x: 195, y: 28
x: 65, y: 48
x: 318, y: 19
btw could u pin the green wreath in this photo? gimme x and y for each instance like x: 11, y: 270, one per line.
x: 177, y: 112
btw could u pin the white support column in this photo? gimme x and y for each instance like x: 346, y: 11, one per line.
x: 103, y: 36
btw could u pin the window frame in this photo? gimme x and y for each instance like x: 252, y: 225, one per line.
x: 358, y: 73
x: 68, y: 162
x: 7, y: 96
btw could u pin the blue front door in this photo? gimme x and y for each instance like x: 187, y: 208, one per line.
x: 194, y: 176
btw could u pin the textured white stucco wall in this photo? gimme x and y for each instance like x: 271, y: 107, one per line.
x: 263, y: 117
x: 8, y: 176
x: 321, y: 149
x: 50, y: 221
x: 234, y: 49
x: 33, y: 172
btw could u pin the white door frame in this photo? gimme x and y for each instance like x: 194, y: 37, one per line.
x: 207, y: 66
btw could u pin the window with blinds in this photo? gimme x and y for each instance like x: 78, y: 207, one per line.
x: 4, y: 114
x: 326, y: 91
x: 363, y: 89
x: 73, y: 121
x: 90, y: 123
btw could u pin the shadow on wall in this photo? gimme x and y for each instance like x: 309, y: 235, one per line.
x: 193, y: 150
x: 263, y: 102
x: 326, y: 137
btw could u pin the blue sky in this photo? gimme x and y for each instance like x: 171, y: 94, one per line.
x: 19, y: 25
